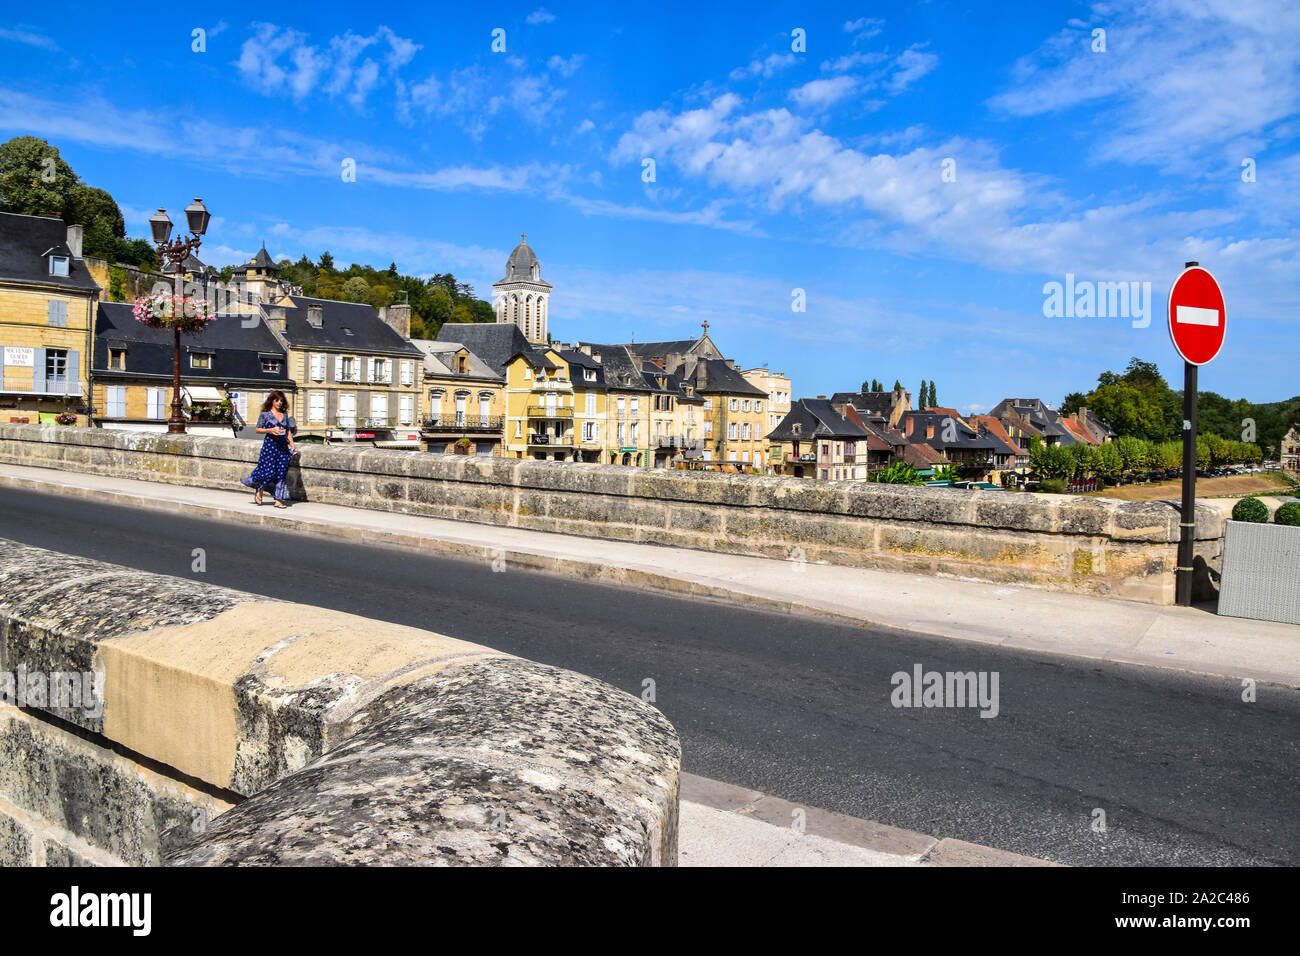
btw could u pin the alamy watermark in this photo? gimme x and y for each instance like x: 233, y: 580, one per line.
x: 946, y: 689
x: 58, y: 690
x: 1085, y: 299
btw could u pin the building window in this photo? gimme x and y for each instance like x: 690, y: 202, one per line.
x: 589, y: 374
x: 758, y: 406
x: 56, y: 369
x: 519, y: 428
x: 58, y: 314
x: 732, y: 404
x: 408, y: 373
x: 484, y: 408
x: 347, y: 369
x: 58, y: 265
x: 826, y: 450
x: 744, y: 431
x: 731, y: 431
x: 156, y: 403
x: 200, y: 360
x: 850, y: 449
x: 380, y: 373
x: 316, y: 407
x: 117, y: 358
x: 708, y: 428
x: 270, y: 365
x: 435, y: 405
x: 348, y: 410
x: 708, y: 404
x: 591, y: 403
x: 379, y: 407
x: 622, y: 434
x: 317, y: 367
x: 115, y: 399
x: 744, y: 406
x: 405, y: 409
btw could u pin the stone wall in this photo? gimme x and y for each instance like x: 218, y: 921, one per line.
x: 196, y: 725
x: 1061, y: 542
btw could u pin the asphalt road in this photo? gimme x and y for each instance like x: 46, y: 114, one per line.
x: 799, y: 707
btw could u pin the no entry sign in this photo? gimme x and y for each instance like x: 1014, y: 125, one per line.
x: 1197, y: 317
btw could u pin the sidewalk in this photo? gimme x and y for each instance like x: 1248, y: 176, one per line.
x: 1173, y: 638
x: 725, y: 825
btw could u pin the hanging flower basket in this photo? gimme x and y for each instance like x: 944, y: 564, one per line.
x: 165, y: 311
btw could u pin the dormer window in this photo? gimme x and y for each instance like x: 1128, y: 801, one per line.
x: 589, y: 374
x: 462, y: 364
x: 58, y: 265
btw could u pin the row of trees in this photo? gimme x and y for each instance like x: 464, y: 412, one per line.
x: 434, y: 300
x: 925, y: 398
x: 36, y: 181
x: 1127, y: 455
x: 1139, y: 403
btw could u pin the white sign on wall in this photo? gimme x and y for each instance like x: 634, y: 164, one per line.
x: 16, y: 355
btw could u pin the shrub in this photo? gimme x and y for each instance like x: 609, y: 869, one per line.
x: 899, y: 473
x: 1289, y: 513
x: 1250, y: 509
x: 1053, y: 486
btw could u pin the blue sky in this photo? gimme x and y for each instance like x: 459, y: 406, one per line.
x: 821, y: 169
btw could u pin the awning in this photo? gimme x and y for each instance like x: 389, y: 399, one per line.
x: 203, y: 393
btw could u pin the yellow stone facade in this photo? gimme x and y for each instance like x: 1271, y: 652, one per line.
x: 45, y: 366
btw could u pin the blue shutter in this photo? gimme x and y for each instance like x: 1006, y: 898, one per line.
x: 74, y: 385
x: 38, y: 370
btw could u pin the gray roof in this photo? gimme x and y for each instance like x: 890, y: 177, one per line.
x: 24, y: 243
x: 817, y: 418
x: 237, y: 347
x: 344, y: 325
x: 523, y: 264
x: 260, y: 261
x: 439, y: 359
x: 716, y: 375
x: 496, y: 343
x: 619, y: 367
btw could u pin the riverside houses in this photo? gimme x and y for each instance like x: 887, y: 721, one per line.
x: 234, y: 358
x: 357, y: 374
x: 47, y: 300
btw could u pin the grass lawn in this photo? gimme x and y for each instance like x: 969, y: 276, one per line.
x: 1265, y: 483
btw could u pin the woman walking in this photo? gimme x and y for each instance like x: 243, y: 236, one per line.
x: 277, y: 450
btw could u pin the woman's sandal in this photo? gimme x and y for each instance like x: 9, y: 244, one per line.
x: 281, y: 505
x: 257, y: 497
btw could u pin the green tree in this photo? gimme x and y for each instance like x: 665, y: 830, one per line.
x: 921, y: 395
x: 1073, y: 402
x: 1128, y: 410
x: 97, y: 211
x: 34, y: 179
x: 326, y: 262
x: 355, y: 289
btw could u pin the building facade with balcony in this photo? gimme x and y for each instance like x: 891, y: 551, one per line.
x: 358, y: 376
x: 464, y: 400
x: 47, y: 303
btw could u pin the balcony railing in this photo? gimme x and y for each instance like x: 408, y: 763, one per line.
x: 554, y: 441
x: 548, y: 411
x: 463, y: 423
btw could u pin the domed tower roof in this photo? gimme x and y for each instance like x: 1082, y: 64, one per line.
x: 523, y: 263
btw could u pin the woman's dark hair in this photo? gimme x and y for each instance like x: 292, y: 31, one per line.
x: 271, y: 397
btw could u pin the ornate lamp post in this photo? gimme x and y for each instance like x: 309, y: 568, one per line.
x: 176, y: 252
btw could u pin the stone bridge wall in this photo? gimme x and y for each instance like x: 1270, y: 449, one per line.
x: 1062, y: 542
x: 195, y: 725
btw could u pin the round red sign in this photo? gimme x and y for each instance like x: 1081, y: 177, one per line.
x: 1198, y: 318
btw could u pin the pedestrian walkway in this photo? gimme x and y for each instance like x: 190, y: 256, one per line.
x: 1173, y: 638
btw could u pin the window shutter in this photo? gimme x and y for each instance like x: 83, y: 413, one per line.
x: 370, y: 369
x: 38, y: 370
x: 74, y: 372
x: 338, y: 368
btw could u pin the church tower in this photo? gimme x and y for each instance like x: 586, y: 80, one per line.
x: 523, y: 295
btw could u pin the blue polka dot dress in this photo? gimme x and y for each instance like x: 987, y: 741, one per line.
x: 273, y: 462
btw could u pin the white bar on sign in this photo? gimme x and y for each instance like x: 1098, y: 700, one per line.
x: 1191, y: 315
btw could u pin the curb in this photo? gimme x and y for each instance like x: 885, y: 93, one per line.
x: 919, y: 848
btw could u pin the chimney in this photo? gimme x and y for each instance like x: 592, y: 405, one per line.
x: 821, y: 398
x: 398, y: 318
x: 277, y: 318
x: 315, y: 315
x: 75, y: 234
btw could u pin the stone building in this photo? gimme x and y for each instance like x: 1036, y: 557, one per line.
x: 522, y: 298
x: 47, y: 302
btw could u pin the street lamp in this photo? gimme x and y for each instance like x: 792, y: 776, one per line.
x: 176, y: 252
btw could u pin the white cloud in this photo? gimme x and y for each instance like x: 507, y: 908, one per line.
x: 565, y: 67
x: 1181, y: 81
x: 585, y: 126
x: 852, y: 61
x: 336, y: 70
x: 540, y: 15
x: 910, y: 65
x: 28, y: 38
x: 766, y: 67
x: 818, y: 94
x: 864, y: 28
